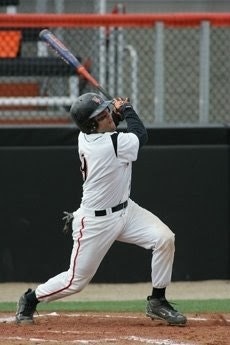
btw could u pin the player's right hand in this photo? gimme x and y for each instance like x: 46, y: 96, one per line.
x: 118, y: 102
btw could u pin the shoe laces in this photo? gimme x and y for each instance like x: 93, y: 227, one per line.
x: 167, y: 304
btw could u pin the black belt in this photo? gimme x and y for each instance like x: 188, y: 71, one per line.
x: 114, y: 209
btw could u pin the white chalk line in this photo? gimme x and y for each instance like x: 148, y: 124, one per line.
x: 73, y: 332
x: 79, y: 341
x: 98, y: 316
x: 12, y: 318
x: 132, y: 339
x: 155, y: 341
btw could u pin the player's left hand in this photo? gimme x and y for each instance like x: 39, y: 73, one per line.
x: 117, y: 114
x: 118, y: 102
x: 68, y: 218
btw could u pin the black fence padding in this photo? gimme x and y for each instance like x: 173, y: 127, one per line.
x: 183, y: 179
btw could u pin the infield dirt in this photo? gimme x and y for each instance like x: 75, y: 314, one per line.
x: 119, y: 328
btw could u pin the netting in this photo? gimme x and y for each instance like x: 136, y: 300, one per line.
x: 174, y: 68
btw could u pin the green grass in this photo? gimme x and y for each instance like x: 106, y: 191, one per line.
x: 185, y: 306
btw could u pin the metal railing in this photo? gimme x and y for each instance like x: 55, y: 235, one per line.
x: 174, y: 68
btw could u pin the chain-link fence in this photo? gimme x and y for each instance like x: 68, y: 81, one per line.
x: 174, y: 74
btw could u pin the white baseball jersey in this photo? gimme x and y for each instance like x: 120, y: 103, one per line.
x: 106, y: 181
x: 106, y: 169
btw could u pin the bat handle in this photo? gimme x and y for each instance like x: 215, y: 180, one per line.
x: 104, y: 92
x: 83, y: 71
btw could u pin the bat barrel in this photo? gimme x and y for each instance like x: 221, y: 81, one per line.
x: 47, y: 36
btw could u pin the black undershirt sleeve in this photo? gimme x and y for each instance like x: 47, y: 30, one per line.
x: 134, y: 124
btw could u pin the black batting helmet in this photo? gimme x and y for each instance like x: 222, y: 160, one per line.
x: 85, y: 108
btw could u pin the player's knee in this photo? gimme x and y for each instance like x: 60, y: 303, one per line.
x: 167, y: 239
x: 76, y: 286
x: 77, y: 283
x: 170, y: 240
x: 169, y: 235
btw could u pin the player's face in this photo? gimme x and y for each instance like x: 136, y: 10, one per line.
x: 105, y: 121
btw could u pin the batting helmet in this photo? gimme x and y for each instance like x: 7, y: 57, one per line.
x: 85, y: 108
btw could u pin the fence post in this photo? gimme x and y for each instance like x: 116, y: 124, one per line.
x: 159, y: 73
x: 204, y: 72
x: 134, y: 75
x: 102, y: 46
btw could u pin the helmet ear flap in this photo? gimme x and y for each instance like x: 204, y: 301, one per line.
x: 91, y: 126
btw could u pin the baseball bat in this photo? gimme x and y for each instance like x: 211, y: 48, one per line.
x: 48, y: 37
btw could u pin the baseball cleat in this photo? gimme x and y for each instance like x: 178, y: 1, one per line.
x: 25, y: 310
x: 161, y: 309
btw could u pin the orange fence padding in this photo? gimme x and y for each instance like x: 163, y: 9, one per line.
x: 9, y: 43
x: 123, y: 20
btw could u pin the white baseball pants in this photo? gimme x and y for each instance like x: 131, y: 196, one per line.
x: 92, y: 238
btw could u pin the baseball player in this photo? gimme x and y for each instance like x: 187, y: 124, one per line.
x: 106, y: 213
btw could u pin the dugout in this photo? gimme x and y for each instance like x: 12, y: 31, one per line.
x: 182, y: 175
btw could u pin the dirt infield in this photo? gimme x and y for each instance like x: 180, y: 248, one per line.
x: 116, y: 329
x: 119, y: 328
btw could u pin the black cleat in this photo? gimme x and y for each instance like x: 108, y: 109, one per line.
x: 25, y: 309
x: 161, y: 309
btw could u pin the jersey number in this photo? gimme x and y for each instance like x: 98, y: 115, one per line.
x: 83, y: 167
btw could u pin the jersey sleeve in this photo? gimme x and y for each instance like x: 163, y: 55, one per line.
x: 127, y: 147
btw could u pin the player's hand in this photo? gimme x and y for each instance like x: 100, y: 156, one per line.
x: 118, y: 102
x: 68, y: 218
x: 117, y: 112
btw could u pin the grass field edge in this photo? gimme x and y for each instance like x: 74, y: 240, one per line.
x: 185, y: 306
